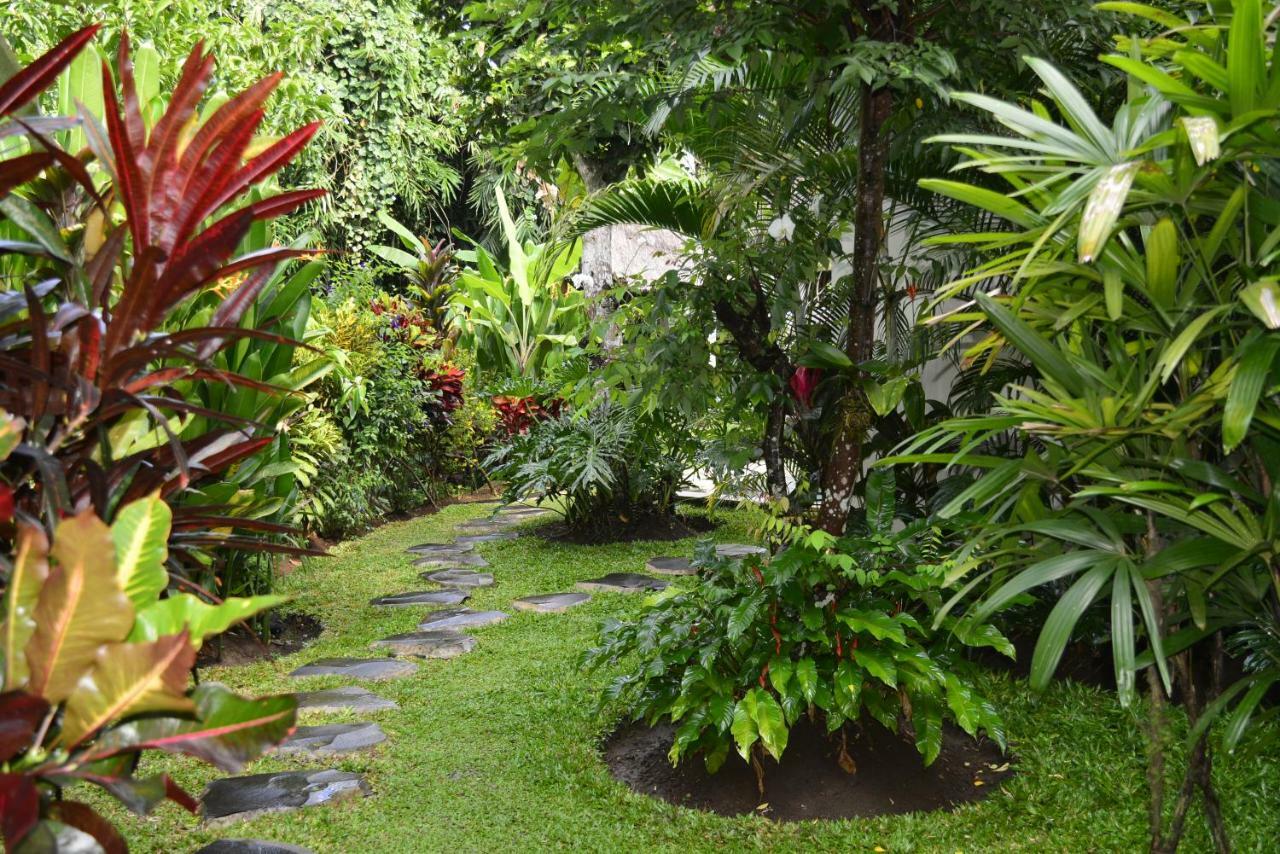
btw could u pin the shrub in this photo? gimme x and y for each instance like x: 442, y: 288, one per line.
x: 608, y: 465
x: 835, y: 628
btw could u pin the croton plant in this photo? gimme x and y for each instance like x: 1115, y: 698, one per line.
x: 97, y: 668
x: 99, y: 426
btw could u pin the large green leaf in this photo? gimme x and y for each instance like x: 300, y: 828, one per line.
x: 130, y: 679
x: 80, y: 609
x: 184, y: 611
x: 229, y: 731
x: 141, y: 536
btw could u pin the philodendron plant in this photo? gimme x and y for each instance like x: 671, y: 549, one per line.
x: 97, y: 669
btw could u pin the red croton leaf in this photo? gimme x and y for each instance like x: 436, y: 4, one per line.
x: 20, y: 716
x: 36, y: 77
x: 19, y: 808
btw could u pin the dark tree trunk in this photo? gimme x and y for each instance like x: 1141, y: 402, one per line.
x: 844, y: 466
x: 750, y: 331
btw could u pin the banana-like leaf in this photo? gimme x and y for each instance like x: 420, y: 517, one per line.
x: 199, y: 618
x: 80, y: 609
x: 130, y: 679
x: 141, y: 535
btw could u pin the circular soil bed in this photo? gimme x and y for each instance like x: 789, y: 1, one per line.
x: 809, y: 783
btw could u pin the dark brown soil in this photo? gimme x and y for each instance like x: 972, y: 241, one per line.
x: 809, y: 783
x: 660, y: 528
x: 239, y: 645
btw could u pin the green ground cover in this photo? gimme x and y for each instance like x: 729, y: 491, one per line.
x: 498, y: 749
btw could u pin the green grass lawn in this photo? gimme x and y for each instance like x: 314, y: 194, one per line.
x: 498, y: 749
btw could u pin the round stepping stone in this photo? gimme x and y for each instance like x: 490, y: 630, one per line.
x: 421, y: 597
x: 460, y: 618
x: 670, y: 566
x: 440, y: 643
x: 461, y: 577
x: 250, y: 846
x: 451, y: 560
x: 734, y: 550
x: 621, y: 582
x: 488, y: 538
x: 237, y: 798
x: 333, y: 738
x: 349, y: 698
x: 358, y: 668
x: 550, y: 603
x: 439, y: 548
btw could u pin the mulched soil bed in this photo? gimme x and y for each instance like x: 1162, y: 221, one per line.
x: 809, y: 783
x: 660, y: 528
x: 289, y: 633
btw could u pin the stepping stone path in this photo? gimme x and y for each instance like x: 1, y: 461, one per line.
x: 439, y: 643
x: 358, y: 668
x: 621, y: 582
x: 550, y: 603
x: 250, y: 846
x: 236, y: 798
x: 670, y: 566
x: 451, y: 560
x: 735, y: 550
x: 421, y: 597
x: 461, y: 618
x: 333, y: 738
x: 439, y: 548
x: 460, y: 577
x: 493, y: 537
x: 350, y: 698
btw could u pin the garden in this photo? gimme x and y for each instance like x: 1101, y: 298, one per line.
x: 649, y: 425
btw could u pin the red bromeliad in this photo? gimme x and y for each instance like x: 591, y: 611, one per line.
x: 804, y: 382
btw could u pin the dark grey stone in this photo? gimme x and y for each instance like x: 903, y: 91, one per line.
x: 333, y: 738
x: 236, y: 798
x: 550, y: 603
x: 621, y: 582
x: 439, y: 548
x: 494, y: 537
x: 358, y: 668
x: 739, y: 550
x: 460, y: 618
x: 440, y: 643
x: 443, y: 560
x: 349, y: 698
x: 251, y: 846
x: 461, y: 578
x: 670, y: 566
x: 421, y: 597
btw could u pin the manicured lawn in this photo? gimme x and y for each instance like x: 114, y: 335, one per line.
x: 497, y: 749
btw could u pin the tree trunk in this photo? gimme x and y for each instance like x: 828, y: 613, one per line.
x: 844, y: 467
x: 597, y: 244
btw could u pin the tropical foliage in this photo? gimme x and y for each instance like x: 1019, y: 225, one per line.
x: 1136, y: 281
x: 96, y: 670
x: 836, y: 629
